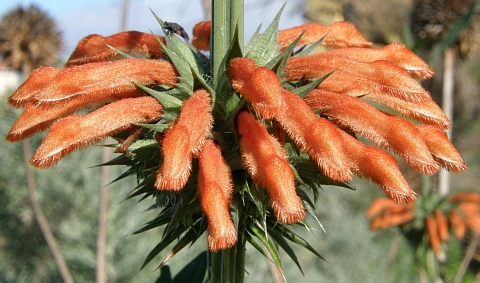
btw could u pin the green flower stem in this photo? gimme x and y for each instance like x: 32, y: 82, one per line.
x: 226, y: 14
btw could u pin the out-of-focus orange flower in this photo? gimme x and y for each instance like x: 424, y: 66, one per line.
x: 460, y: 211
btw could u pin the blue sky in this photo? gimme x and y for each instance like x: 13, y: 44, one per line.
x: 77, y: 19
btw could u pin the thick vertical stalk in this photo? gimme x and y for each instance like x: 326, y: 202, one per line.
x: 240, y: 259
x: 220, y: 36
x: 227, y: 15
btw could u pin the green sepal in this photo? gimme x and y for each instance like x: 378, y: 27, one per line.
x: 164, y: 243
x: 279, y: 62
x: 266, y: 47
x: 309, y: 49
x: 120, y: 52
x: 166, y: 100
x: 189, y: 238
x: 294, y: 238
x: 305, y: 89
x: 162, y: 219
x: 280, y: 240
x: 261, y: 234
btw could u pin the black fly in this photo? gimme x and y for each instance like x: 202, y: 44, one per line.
x: 171, y: 28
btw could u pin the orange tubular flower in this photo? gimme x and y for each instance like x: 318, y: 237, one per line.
x: 442, y: 225
x: 259, y: 86
x: 96, y: 48
x: 201, y: 35
x: 316, y: 136
x: 441, y: 148
x: 183, y: 140
x: 215, y: 188
x: 395, y: 53
x: 35, y: 82
x: 378, y: 206
x: 384, y: 130
x: 379, y: 167
x: 432, y: 232
x: 85, y: 86
x: 458, y: 224
x: 357, y: 78
x: 74, y: 132
x: 89, y: 84
x: 427, y: 111
x: 337, y: 35
x: 266, y: 162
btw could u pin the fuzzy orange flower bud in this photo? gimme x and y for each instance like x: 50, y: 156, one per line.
x: 390, y: 220
x: 432, y: 232
x: 75, y: 132
x: 215, y: 189
x: 458, y: 224
x: 396, y: 53
x: 442, y: 225
x: 266, y: 162
x: 201, y: 35
x: 89, y: 84
x: 465, y: 196
x: 259, y: 86
x: 183, y: 140
x: 316, y: 136
x: 96, y: 48
x: 34, y: 83
x: 337, y: 35
x: 378, y: 206
x: 379, y: 167
x: 356, y: 78
x: 441, y: 148
x: 384, y: 130
x: 426, y: 111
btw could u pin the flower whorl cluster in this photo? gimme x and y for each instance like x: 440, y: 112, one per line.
x: 127, y: 95
x: 458, y: 212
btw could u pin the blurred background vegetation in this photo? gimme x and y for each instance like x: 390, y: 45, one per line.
x: 69, y: 193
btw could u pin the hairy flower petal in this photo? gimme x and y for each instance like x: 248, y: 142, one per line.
x: 259, y: 86
x: 75, y: 132
x: 384, y: 130
x: 201, y: 35
x: 337, y: 35
x: 395, y: 53
x: 426, y: 111
x: 441, y: 148
x: 33, y: 84
x: 316, y: 136
x: 183, y: 140
x: 89, y: 83
x: 357, y: 78
x: 266, y: 162
x: 378, y: 166
x: 96, y: 48
x: 215, y: 188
